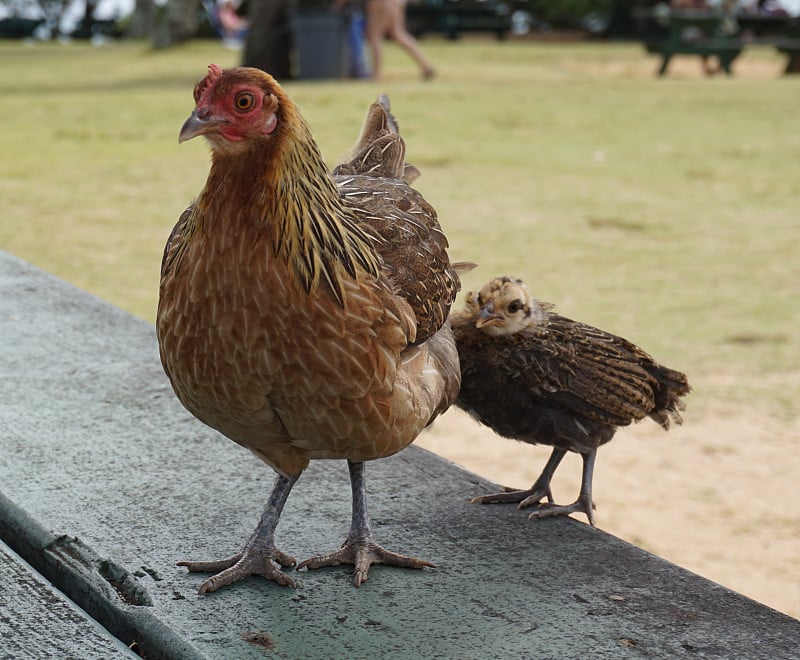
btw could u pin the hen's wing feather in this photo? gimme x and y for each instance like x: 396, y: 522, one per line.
x: 175, y: 243
x: 411, y: 244
x: 374, y: 185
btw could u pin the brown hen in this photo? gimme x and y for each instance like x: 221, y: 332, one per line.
x: 301, y: 314
x: 541, y: 378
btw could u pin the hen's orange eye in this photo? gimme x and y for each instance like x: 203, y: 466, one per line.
x: 244, y: 101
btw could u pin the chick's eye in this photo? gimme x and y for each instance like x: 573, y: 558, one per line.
x: 515, y: 306
x: 244, y: 101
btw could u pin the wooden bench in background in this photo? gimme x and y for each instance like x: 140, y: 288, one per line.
x: 716, y: 35
x: 782, y: 32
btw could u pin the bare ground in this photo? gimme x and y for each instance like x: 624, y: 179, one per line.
x: 717, y: 495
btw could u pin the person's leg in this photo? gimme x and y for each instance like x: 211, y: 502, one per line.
x: 405, y: 39
x: 377, y: 26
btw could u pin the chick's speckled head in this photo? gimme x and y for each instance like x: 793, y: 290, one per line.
x: 234, y: 106
x: 471, y: 306
x: 503, y: 307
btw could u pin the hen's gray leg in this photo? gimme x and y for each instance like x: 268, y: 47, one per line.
x: 359, y: 549
x: 258, y: 554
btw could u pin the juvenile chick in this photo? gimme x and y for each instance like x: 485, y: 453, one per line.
x: 541, y: 378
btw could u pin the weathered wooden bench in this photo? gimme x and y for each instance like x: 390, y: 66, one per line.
x: 718, y: 35
x: 695, y: 33
x: 105, y: 481
x: 781, y: 32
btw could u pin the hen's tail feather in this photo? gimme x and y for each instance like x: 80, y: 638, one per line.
x: 462, y: 267
x: 391, y: 120
x: 379, y: 151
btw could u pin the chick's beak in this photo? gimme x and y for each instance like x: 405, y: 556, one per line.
x: 487, y: 316
x: 198, y: 123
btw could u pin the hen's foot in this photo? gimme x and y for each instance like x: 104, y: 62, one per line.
x: 240, y: 566
x: 552, y: 510
x: 363, y: 553
x: 523, y: 497
x: 259, y: 552
x: 359, y: 549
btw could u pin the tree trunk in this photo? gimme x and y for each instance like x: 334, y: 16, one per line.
x: 176, y: 21
x: 142, y: 21
x: 84, y: 29
x: 269, y: 39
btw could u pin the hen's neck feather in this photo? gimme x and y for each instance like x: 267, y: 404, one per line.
x: 281, y: 188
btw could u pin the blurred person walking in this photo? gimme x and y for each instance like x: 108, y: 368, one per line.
x: 387, y: 19
x: 232, y: 26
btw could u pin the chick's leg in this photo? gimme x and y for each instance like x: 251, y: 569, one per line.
x: 584, y: 503
x: 535, y: 493
x: 258, y: 554
x: 359, y: 549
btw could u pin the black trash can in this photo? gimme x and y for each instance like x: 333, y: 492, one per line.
x: 319, y: 44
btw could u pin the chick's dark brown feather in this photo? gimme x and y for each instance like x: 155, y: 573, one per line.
x: 561, y: 383
x: 524, y: 394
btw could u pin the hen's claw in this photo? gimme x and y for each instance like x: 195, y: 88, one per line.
x: 363, y: 554
x: 210, y: 566
x: 242, y: 565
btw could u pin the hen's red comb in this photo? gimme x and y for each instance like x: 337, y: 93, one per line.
x: 214, y: 73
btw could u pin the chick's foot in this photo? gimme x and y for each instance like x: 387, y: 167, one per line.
x: 363, y: 552
x: 523, y: 497
x: 535, y: 493
x: 584, y: 503
x: 581, y: 505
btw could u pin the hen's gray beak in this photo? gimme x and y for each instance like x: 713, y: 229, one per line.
x: 196, y: 125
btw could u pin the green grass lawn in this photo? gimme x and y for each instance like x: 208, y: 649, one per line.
x: 664, y: 210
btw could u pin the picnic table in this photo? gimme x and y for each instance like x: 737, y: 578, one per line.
x: 105, y: 480
x: 782, y: 32
x: 717, y: 34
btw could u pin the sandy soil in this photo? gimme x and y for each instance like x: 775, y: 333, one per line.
x: 717, y: 496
